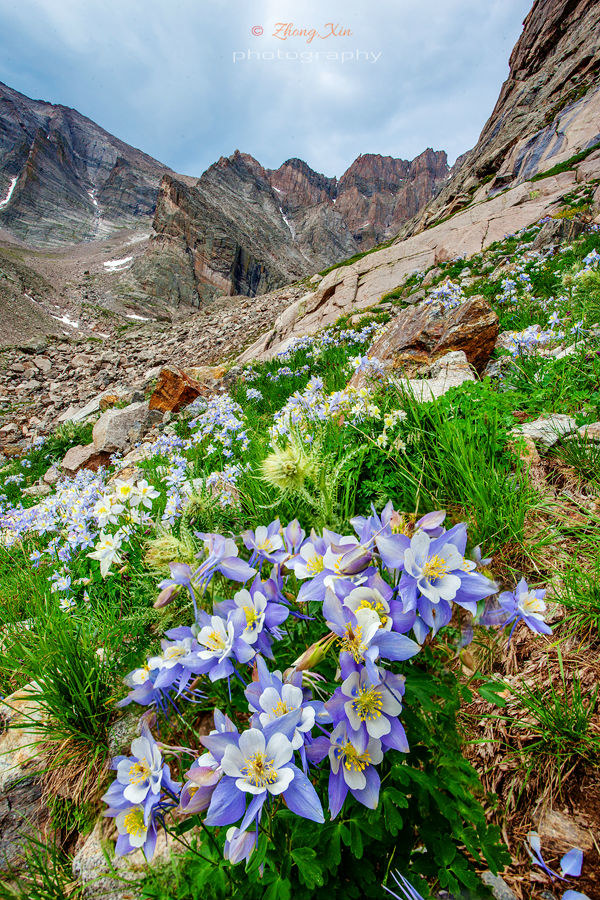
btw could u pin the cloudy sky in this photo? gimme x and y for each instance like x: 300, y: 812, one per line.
x: 188, y: 81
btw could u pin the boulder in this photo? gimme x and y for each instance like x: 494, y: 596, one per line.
x: 421, y: 334
x: 83, y: 457
x: 118, y: 429
x: 174, y: 390
x: 591, y: 431
x: 546, y: 432
x: 81, y: 413
x: 447, y: 372
x: 114, y: 878
x: 21, y: 808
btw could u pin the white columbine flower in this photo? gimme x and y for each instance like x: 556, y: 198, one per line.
x: 258, y: 766
x: 107, y: 551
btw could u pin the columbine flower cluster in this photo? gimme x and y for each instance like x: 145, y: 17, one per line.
x: 219, y: 427
x: 305, y: 409
x: 447, y: 293
x: 395, y: 576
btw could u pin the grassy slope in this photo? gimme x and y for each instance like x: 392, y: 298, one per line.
x: 530, y: 717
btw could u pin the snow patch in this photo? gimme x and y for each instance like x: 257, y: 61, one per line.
x: 287, y: 222
x: 92, y: 195
x: 116, y: 265
x: 11, y: 188
x: 65, y: 320
x: 139, y: 318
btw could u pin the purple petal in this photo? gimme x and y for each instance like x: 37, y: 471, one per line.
x: 227, y: 804
x: 254, y: 808
x: 302, y: 798
x: 571, y: 862
x: 369, y: 795
x: 396, y: 646
x: 338, y: 790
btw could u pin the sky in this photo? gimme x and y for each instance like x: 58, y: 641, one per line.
x: 188, y: 81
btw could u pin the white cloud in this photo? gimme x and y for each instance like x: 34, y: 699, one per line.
x: 160, y: 74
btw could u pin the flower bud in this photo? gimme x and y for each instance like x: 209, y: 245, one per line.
x: 355, y: 560
x: 166, y: 596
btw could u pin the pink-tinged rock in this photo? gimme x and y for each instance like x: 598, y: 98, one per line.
x: 419, y: 335
x: 174, y: 390
x: 81, y: 457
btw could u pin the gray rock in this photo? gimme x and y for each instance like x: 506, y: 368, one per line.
x: 118, y: 429
x: 449, y: 371
x: 43, y: 364
x: 52, y: 475
x: 498, y: 887
x: 38, y: 490
x: 80, y: 457
x: 546, y: 432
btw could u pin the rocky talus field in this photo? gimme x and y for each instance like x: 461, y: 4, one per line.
x: 300, y: 537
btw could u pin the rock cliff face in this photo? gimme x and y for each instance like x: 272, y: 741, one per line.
x: 245, y: 229
x: 546, y: 112
x: 63, y: 179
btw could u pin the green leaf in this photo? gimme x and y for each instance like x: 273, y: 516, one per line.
x: 309, y: 868
x: 490, y: 691
x: 279, y: 890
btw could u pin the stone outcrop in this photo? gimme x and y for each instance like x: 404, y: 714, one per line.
x: 245, y: 229
x: 421, y: 334
x: 548, y: 108
x: 174, y: 390
x: 117, y: 429
x: 66, y: 179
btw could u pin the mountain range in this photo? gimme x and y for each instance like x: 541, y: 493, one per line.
x: 239, y: 228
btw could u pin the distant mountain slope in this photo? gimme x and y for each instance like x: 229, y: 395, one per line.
x: 64, y: 179
x: 238, y: 229
x: 243, y: 229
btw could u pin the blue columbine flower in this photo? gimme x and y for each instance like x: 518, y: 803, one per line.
x: 259, y: 763
x: 221, y: 644
x: 363, y: 638
x: 143, y: 784
x: 370, y: 710
x: 266, y: 543
x: 525, y: 605
x: 352, y: 765
x: 436, y: 574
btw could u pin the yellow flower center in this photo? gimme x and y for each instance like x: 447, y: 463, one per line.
x: 139, y: 772
x: 352, y: 643
x: 259, y: 770
x: 368, y: 704
x: 435, y: 567
x: 399, y: 524
x: 173, y: 653
x: 215, y: 641
x: 134, y: 822
x: 251, y: 617
x: 281, y: 709
x: 314, y: 565
x: 353, y: 760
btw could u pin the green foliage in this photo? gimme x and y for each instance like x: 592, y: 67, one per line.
x: 579, y: 594
x: 558, y: 723
x: 44, y: 874
x: 429, y: 823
